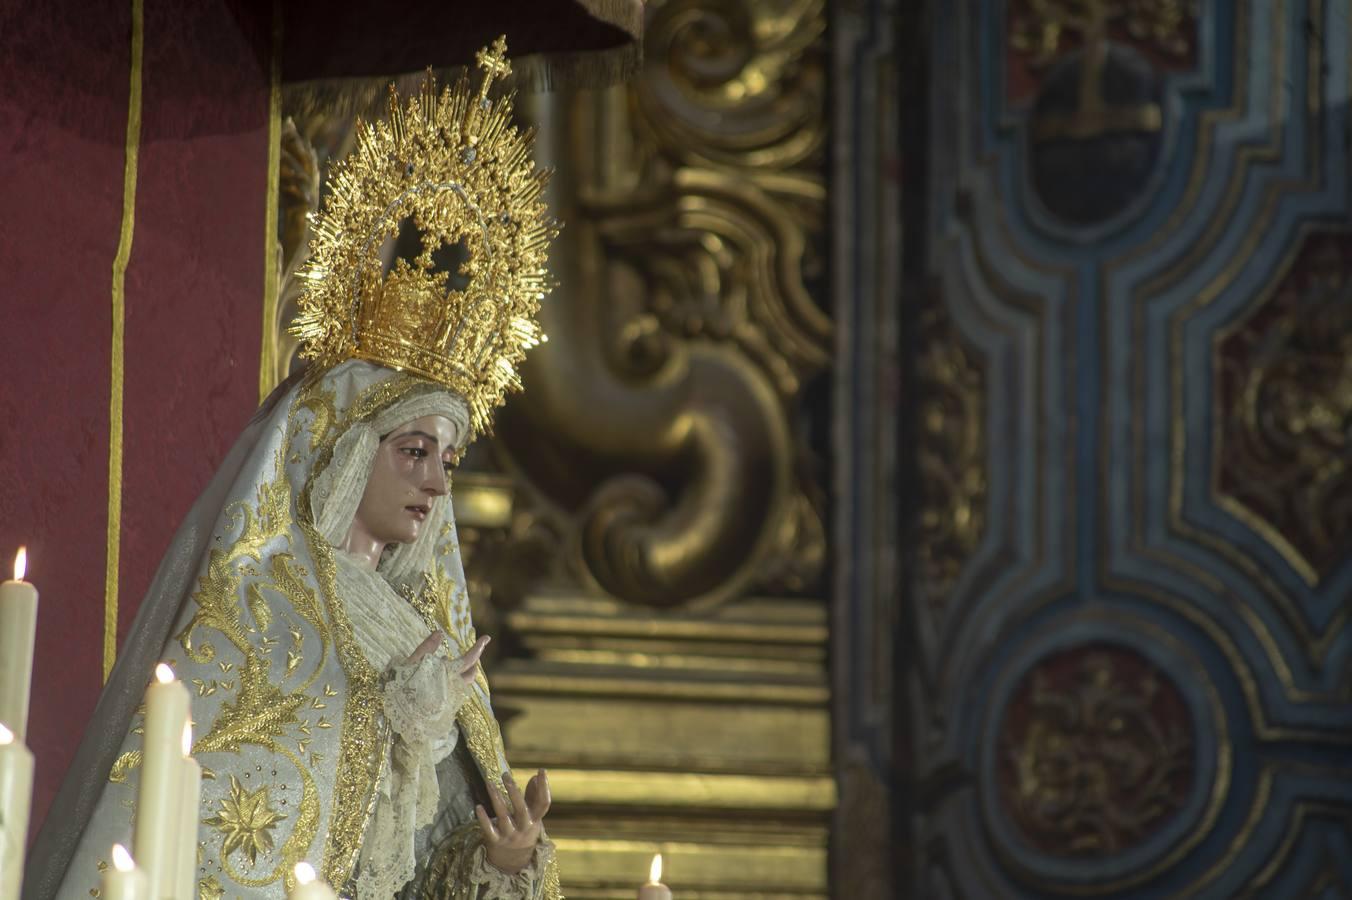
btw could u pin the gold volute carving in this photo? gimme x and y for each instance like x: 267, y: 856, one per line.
x: 684, y: 331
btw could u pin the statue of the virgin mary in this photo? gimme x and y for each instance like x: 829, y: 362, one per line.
x: 314, y: 599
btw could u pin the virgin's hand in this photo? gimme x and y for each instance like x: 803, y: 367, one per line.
x: 465, y: 664
x: 517, y: 824
x: 429, y: 645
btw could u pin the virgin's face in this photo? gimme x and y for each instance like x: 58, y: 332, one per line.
x: 410, y: 470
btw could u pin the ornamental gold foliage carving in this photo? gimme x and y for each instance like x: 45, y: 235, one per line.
x: 1041, y: 29
x: 951, y: 456
x: 685, y: 326
x: 1096, y: 752
x: 1284, y: 411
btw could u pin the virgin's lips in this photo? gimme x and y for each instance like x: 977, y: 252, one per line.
x: 418, y: 512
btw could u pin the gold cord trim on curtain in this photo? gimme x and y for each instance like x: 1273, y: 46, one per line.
x: 268, y: 376
x: 119, y: 340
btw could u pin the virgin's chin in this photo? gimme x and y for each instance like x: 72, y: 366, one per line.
x: 402, y: 535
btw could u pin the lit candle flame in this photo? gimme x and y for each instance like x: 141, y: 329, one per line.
x: 122, y: 860
x: 187, y: 739
x: 305, y: 873
x: 164, y: 674
x: 20, y: 563
x: 6, y: 736
x: 655, y: 870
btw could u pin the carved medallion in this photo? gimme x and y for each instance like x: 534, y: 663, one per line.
x: 1095, y: 752
x: 1097, y: 71
x: 1284, y: 410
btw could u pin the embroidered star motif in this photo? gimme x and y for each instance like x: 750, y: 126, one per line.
x: 246, y: 819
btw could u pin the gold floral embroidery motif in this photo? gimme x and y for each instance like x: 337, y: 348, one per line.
x: 247, y: 820
x: 125, y: 763
x: 210, y: 889
x: 260, y: 713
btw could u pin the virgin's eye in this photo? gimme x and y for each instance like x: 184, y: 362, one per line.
x: 415, y: 452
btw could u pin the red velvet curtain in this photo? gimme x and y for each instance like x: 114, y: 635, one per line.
x: 191, y: 308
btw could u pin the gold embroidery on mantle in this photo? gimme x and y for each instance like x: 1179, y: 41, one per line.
x: 247, y: 820
x: 364, y: 744
x: 123, y: 766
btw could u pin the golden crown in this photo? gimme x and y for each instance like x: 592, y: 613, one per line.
x: 455, y: 167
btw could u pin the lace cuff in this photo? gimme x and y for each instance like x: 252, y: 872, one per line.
x: 528, y: 884
x: 422, y: 699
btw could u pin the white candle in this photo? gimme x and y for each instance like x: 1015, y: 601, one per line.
x: 157, y: 804
x: 122, y: 880
x: 308, y: 886
x: 655, y: 889
x: 18, y: 625
x: 16, y: 795
x: 190, y: 798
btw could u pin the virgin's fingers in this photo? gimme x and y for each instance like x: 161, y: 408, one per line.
x: 538, y: 797
x: 429, y: 644
x: 505, y: 824
x: 471, y: 658
x: 521, y: 814
x: 490, y: 833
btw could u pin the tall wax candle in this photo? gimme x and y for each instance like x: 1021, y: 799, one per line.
x: 308, y: 886
x: 157, y: 803
x: 190, y: 798
x: 16, y: 795
x: 18, y: 625
x: 122, y: 880
x: 654, y: 889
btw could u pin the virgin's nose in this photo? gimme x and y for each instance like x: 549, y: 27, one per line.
x: 434, y: 485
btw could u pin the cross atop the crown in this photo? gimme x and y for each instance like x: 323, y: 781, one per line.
x: 493, y: 60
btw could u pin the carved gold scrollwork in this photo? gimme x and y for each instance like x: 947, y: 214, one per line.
x: 951, y: 455
x: 1042, y: 28
x: 1284, y: 448
x: 684, y: 330
x: 735, y: 84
